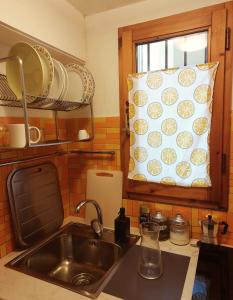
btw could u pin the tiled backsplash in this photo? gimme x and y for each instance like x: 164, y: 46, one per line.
x: 72, y: 174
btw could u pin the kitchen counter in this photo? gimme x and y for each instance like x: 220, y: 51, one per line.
x: 18, y: 286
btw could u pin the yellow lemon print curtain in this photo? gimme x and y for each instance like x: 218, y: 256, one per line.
x: 170, y: 118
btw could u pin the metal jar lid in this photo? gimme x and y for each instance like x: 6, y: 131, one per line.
x: 158, y: 216
x: 178, y: 219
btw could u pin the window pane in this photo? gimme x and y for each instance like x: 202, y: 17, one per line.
x: 157, y: 55
x: 197, y: 48
x: 142, y: 58
x: 196, y: 57
x: 175, y: 55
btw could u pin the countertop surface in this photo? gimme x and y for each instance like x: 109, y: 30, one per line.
x: 18, y: 286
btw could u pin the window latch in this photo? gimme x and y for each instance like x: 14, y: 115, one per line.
x: 228, y: 38
x: 126, y: 129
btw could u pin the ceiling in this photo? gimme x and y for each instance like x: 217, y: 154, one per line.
x: 90, y: 7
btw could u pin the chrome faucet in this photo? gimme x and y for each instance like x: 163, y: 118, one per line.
x: 96, y: 225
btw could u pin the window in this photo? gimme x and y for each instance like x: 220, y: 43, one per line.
x: 193, y: 37
x: 179, y: 51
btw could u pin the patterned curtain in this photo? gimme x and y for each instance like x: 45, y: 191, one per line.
x: 170, y: 120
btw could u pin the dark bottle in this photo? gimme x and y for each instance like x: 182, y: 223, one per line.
x: 122, y: 227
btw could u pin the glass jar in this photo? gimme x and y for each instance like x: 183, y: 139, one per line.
x: 179, y: 230
x: 163, y: 222
x: 149, y: 260
x: 144, y: 214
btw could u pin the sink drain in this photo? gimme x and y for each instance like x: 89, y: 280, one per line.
x: 83, y: 279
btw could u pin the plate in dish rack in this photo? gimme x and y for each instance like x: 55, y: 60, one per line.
x: 48, y: 69
x: 81, y: 84
x: 32, y: 70
x: 57, y: 85
x: 65, y: 83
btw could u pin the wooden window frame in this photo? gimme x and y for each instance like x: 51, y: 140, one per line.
x: 218, y: 20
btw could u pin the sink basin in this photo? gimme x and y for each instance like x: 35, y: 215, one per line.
x: 74, y: 258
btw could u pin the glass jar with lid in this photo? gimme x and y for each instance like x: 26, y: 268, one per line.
x: 179, y: 230
x: 163, y: 222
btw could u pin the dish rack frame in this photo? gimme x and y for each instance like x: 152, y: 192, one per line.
x: 9, y: 99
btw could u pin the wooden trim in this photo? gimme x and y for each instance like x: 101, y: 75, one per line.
x: 217, y: 48
x: 227, y: 108
x: 175, y: 201
x: 197, y: 18
x: 125, y: 68
x: 169, y: 191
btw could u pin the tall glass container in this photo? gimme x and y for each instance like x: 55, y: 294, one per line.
x: 179, y: 230
x: 150, y: 261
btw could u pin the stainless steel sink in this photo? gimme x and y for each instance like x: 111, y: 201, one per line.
x: 74, y: 258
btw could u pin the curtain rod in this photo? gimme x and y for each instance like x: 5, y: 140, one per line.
x: 92, y: 152
x: 55, y: 154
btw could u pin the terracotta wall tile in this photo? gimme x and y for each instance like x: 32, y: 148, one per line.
x: 226, y: 241
x: 196, y: 235
x: 219, y: 215
x: 128, y: 205
x: 113, y: 130
x: 101, y: 130
x: 3, y: 250
x: 196, y: 229
x: 134, y: 222
x: 230, y: 207
x: 135, y: 208
x: 100, y: 123
x: 185, y: 211
x: 166, y: 209
x: 203, y: 213
x: 195, y: 218
x: 113, y: 122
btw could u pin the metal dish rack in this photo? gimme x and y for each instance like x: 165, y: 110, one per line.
x: 9, y: 99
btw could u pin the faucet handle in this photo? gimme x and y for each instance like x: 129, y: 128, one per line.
x: 97, y: 227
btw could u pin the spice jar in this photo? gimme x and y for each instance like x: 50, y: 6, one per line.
x: 144, y: 214
x: 179, y: 230
x: 163, y: 222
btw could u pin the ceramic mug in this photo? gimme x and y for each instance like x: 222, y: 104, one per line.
x: 83, y: 135
x: 17, y: 137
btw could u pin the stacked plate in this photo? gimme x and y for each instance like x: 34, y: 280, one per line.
x: 46, y: 77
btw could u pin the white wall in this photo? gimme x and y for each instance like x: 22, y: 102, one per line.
x: 53, y: 21
x: 102, y: 44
